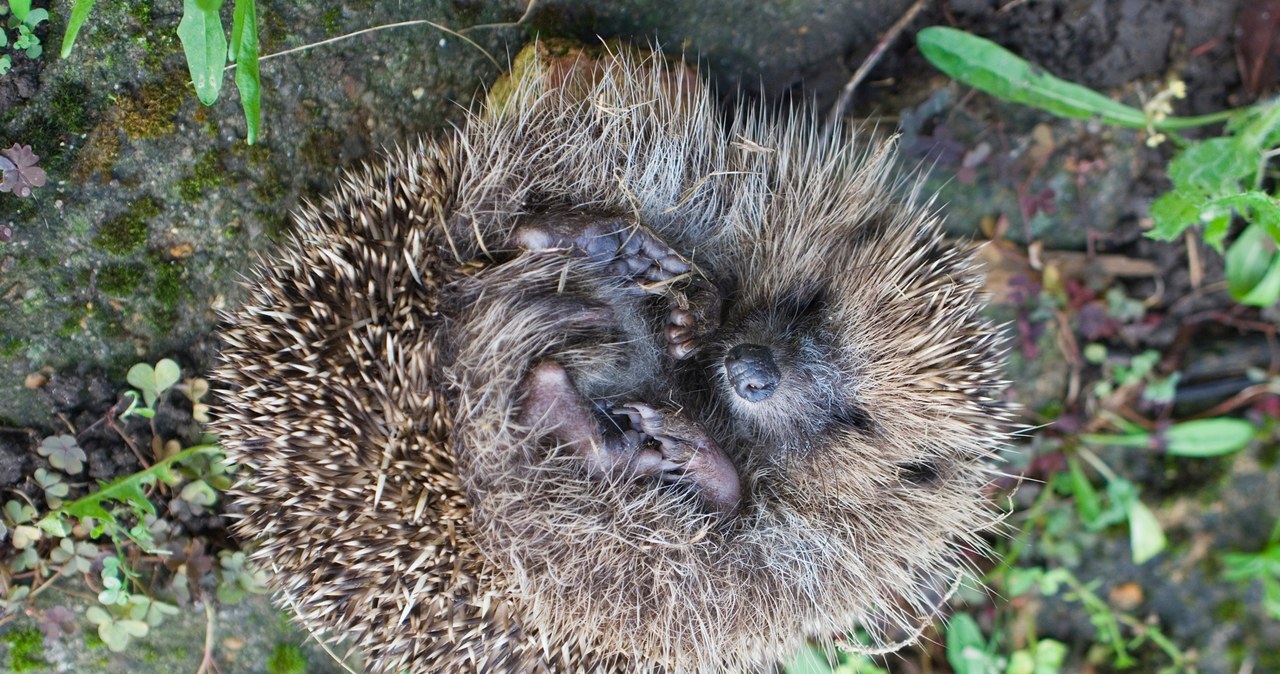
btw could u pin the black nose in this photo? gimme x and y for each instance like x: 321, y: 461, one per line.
x: 752, y: 372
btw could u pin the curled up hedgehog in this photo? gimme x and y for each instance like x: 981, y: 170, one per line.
x: 604, y: 382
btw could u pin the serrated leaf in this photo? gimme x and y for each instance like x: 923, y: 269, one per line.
x: 129, y: 488
x: 1208, y: 437
x: 1215, y: 166
x: 79, y: 12
x: 244, y: 49
x: 1173, y: 212
x: 1146, y: 538
x: 205, y: 46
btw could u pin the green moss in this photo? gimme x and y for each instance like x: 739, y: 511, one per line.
x: 68, y: 110
x: 207, y: 174
x: 99, y: 153
x: 150, y: 113
x: 140, y: 10
x: 168, y: 287
x: 287, y: 659
x: 92, y: 640
x: 26, y: 646
x: 12, y: 347
x: 120, y: 280
x: 127, y: 232
x: 330, y: 21
x: 70, y: 326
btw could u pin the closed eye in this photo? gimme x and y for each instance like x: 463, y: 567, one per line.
x: 853, y: 418
x: 802, y: 304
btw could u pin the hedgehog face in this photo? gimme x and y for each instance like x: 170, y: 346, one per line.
x: 778, y: 369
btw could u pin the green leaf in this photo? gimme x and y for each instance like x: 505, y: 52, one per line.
x: 1145, y: 535
x: 244, y: 50
x: 1139, y: 440
x: 986, y: 65
x: 1271, y: 597
x: 199, y: 493
x: 1215, y: 166
x: 153, y: 381
x: 167, y: 374
x: 96, y: 615
x: 1209, y: 437
x: 1087, y: 502
x: 1050, y: 656
x: 966, y: 647
x: 79, y: 12
x: 20, y: 9
x: 37, y: 16
x: 117, y: 634
x: 1173, y: 212
x: 205, y: 45
x: 808, y: 661
x: 129, y: 489
x: 1253, y: 268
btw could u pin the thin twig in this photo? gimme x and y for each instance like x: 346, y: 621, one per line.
x: 111, y: 423
x: 45, y: 585
x: 885, y: 40
x: 206, y: 663
x: 374, y: 29
x: 519, y: 22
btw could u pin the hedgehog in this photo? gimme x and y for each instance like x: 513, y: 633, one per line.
x: 605, y: 381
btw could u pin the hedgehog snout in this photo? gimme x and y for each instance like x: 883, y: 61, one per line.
x: 752, y: 372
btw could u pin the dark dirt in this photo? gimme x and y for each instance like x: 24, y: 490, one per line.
x: 88, y: 407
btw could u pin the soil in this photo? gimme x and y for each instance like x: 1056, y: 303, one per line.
x: 1072, y: 194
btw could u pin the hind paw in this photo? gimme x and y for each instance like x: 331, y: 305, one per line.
x: 687, y: 455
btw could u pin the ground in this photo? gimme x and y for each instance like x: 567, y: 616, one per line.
x: 155, y: 203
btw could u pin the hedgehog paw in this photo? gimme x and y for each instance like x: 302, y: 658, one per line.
x: 550, y: 399
x: 636, y: 252
x: 695, y: 316
x: 688, y: 455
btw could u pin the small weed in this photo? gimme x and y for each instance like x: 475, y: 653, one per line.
x: 1262, y: 566
x: 114, y: 538
x: 20, y: 26
x: 1214, y: 180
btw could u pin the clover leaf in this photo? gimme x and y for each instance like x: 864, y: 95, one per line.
x: 63, y: 453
